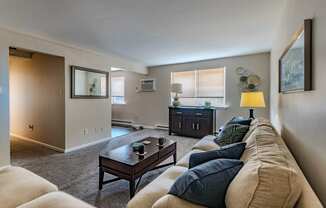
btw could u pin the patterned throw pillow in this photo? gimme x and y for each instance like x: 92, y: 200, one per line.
x: 232, y: 133
x: 239, y: 120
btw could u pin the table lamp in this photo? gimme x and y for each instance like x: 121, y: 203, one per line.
x: 177, y: 89
x: 252, y: 100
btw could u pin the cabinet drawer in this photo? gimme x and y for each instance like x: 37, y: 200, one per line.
x: 199, y: 113
x: 176, y: 112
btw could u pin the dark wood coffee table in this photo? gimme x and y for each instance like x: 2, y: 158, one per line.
x: 126, y: 164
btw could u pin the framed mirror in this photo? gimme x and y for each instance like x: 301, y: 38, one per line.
x: 89, y: 83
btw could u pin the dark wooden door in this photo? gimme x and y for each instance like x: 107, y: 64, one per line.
x: 202, y: 127
x: 177, y: 124
x: 189, y: 126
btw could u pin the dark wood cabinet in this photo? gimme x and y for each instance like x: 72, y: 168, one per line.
x: 191, y: 121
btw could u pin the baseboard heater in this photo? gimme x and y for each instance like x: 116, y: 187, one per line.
x: 123, y: 123
x: 161, y: 126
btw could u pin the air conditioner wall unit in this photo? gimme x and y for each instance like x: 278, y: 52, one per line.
x: 147, y: 85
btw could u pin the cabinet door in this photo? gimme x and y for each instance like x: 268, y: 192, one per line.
x: 176, y: 124
x: 202, y: 127
x: 189, y: 126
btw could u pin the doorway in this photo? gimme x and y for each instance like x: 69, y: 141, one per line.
x: 37, y: 103
x: 120, y: 125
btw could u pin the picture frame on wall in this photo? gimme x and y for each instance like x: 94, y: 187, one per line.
x: 295, y: 64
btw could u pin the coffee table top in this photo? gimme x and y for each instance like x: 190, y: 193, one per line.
x: 126, y: 155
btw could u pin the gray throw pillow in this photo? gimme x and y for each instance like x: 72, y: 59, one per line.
x: 206, y: 184
x: 232, y: 133
x: 232, y: 151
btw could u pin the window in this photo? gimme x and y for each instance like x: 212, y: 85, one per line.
x: 118, y: 90
x: 200, y: 86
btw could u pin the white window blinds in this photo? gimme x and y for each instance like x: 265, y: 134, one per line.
x: 201, y: 85
x: 210, y: 83
x: 188, y: 81
x: 118, y: 86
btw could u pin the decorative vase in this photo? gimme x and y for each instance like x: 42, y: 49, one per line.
x: 207, y: 104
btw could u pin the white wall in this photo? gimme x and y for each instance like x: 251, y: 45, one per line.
x: 80, y: 114
x: 150, y: 108
x: 301, y: 117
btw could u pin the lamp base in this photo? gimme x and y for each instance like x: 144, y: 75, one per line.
x: 251, y: 114
x: 176, y: 102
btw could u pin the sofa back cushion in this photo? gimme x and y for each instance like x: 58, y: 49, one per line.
x: 268, y: 178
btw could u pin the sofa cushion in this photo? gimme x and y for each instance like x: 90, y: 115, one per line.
x: 19, y: 186
x: 206, y: 184
x: 147, y: 196
x: 232, y: 151
x: 56, y: 200
x: 268, y: 178
x: 231, y: 134
x: 258, y: 122
x: 184, y: 161
x: 171, y: 201
x: 207, y: 143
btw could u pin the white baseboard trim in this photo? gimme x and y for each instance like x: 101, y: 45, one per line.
x: 4, y: 167
x: 87, y: 145
x: 58, y: 149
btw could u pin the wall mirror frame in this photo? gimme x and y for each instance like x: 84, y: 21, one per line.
x: 89, y: 83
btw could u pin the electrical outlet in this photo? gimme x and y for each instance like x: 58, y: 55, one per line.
x: 31, y: 127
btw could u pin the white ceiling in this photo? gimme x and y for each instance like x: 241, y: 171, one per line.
x: 153, y: 32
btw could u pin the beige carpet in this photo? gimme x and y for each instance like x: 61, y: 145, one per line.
x: 77, y: 172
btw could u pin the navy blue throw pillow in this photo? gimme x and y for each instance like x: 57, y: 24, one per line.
x: 231, y: 151
x: 239, y: 120
x: 206, y: 184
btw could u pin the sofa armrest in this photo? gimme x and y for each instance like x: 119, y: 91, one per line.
x: 19, y: 186
x: 170, y: 201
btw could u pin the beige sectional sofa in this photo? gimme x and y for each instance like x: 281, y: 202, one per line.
x: 23, y: 189
x: 269, y: 178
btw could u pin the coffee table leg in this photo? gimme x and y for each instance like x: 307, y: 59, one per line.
x: 175, y: 158
x: 132, y: 188
x: 101, y: 176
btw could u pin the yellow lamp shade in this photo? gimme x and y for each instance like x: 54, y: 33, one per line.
x: 252, y: 100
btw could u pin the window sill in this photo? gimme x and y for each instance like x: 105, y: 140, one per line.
x: 222, y: 107
x: 119, y: 103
